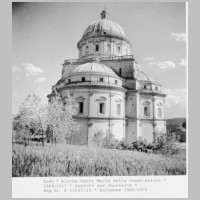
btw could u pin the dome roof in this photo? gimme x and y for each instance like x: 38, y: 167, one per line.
x: 104, y: 27
x: 142, y: 76
x: 94, y: 67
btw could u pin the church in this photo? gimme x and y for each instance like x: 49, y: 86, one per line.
x: 112, y: 94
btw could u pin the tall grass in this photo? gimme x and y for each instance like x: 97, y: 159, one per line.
x: 66, y: 160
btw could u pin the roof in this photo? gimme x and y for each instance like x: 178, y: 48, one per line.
x: 94, y: 67
x: 104, y: 27
x: 142, y: 76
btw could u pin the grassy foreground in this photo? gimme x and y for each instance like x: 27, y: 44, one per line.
x: 66, y: 160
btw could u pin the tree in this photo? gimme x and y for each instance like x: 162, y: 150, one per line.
x: 184, y: 124
x: 60, y: 119
x: 31, y: 118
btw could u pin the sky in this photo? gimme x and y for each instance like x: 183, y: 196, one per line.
x: 46, y: 34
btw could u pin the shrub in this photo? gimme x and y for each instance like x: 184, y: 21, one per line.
x: 97, y: 139
x: 183, y: 136
x: 165, y: 143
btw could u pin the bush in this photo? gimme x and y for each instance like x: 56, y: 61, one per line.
x: 105, y: 140
x: 165, y: 143
x: 182, y: 136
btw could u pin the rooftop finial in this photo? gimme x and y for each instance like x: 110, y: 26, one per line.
x: 104, y: 13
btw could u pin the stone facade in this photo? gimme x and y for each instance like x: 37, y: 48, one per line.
x: 112, y: 93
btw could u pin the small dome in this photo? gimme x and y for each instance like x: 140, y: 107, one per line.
x: 142, y: 76
x: 94, y: 67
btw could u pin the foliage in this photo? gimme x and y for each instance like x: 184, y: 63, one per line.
x: 34, y: 118
x: 30, y: 119
x: 184, y: 124
x: 59, y: 161
x: 60, y: 119
x: 165, y: 143
x: 97, y: 139
x: 105, y: 140
x: 182, y: 136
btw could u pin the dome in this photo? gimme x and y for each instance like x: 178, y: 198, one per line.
x: 94, y: 67
x: 142, y: 76
x: 104, y: 27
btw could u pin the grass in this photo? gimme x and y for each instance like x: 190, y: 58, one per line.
x: 68, y: 160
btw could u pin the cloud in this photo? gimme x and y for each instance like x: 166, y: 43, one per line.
x: 166, y: 64
x: 180, y: 37
x: 40, y: 79
x: 15, y: 69
x: 175, y: 97
x: 31, y: 70
x: 148, y: 58
x: 183, y: 62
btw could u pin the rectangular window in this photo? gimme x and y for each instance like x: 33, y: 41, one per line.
x: 118, y: 109
x: 102, y: 108
x: 119, y: 49
x: 147, y: 111
x: 115, y: 81
x: 97, y: 47
x: 101, y: 79
x: 159, y: 112
x: 108, y: 47
x: 83, y: 79
x: 80, y: 107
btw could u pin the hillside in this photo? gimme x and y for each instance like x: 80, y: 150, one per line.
x: 176, y: 121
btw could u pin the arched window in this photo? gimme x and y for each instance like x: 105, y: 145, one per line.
x: 145, y: 87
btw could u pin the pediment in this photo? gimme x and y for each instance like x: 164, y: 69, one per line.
x: 102, y: 99
x: 146, y: 103
x: 118, y: 100
x: 80, y: 98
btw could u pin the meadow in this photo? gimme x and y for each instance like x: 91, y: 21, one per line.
x: 68, y: 160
